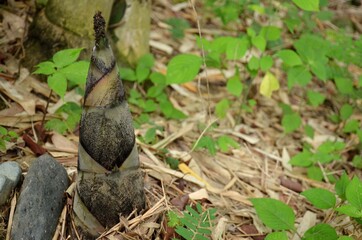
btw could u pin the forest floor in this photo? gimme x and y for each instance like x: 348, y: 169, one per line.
x: 259, y: 167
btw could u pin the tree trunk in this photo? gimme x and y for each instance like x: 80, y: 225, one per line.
x: 134, y: 34
x: 67, y: 24
x: 109, y: 182
x: 63, y: 24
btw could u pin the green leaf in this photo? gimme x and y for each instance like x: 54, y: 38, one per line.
x: 354, y: 193
x: 253, y: 63
x: 183, y: 68
x: 298, y: 75
x: 3, y: 131
x: 286, y: 108
x: 341, y: 186
x: 142, y: 73
x: 76, y: 72
x: 330, y: 146
x: 184, y: 232
x: 344, y: 85
x: 291, y: 122
x: 234, y: 85
x: 274, y: 214
x: 320, y: 198
x: 170, y: 111
x: 345, y: 238
x: 302, y: 159
x: 173, y: 219
x: 309, y: 131
x: 236, y: 48
x: 308, y: 5
x: 56, y: 125
x: 289, y: 58
x: 357, y: 161
x: 58, y: 83
x: 315, y: 173
x: 208, y: 143
x: 259, y: 42
x: 359, y: 135
x: 13, y: 134
x: 346, y: 111
x: 46, y: 68
x: 155, y: 90
x: 351, y: 126
x: 66, y: 57
x: 150, y: 135
x: 257, y: 8
x: 321, y: 231
x: 2, y: 146
x: 146, y: 61
x: 127, y: 74
x: 319, y: 69
x: 350, y: 210
x: 269, y: 84
x: 150, y: 106
x: 277, y: 236
x: 178, y: 27
x: 173, y: 162
x: 315, y: 98
x: 325, y: 15
x: 225, y: 142
x: 157, y: 78
x: 251, y: 32
x: 222, y: 108
x: 271, y: 33
x: 266, y: 62
x: 73, y: 120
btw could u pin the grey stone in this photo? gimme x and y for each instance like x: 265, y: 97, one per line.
x: 12, y: 171
x: 5, y: 189
x: 41, y: 200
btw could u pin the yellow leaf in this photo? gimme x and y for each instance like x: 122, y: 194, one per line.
x: 269, y: 84
x: 186, y: 170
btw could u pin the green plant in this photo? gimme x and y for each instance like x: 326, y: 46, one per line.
x: 155, y: 97
x: 314, y: 58
x: 69, y: 114
x: 178, y: 27
x: 6, y: 136
x: 194, y: 223
x: 63, y: 72
x: 280, y: 217
x: 327, y: 152
x: 222, y: 143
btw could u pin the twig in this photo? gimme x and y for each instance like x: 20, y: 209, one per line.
x: 11, y: 216
x: 203, y: 61
x: 46, y: 108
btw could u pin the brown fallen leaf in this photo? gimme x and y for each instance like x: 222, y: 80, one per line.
x: 251, y: 230
x: 180, y: 202
x: 63, y: 144
x: 292, y: 185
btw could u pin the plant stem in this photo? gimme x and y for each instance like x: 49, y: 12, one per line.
x: 46, y: 109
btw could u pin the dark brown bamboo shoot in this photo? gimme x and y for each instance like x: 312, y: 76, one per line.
x: 109, y: 182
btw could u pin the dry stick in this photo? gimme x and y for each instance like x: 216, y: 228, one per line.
x: 133, y: 222
x: 64, y: 221
x: 203, y: 62
x: 46, y: 109
x: 11, y: 216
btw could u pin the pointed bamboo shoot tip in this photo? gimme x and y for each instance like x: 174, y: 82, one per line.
x: 99, y: 27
